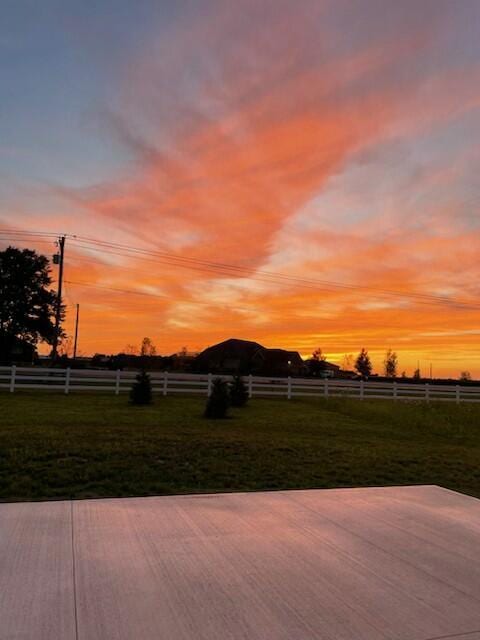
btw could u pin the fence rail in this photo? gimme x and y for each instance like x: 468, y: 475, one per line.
x: 165, y: 383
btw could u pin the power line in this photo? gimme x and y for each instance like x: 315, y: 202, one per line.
x: 231, y: 270
x: 264, y: 276
x: 116, y: 289
x: 36, y: 241
x: 183, y: 266
x: 85, y: 241
x: 220, y: 265
x: 28, y: 234
x: 94, y: 285
x: 246, y: 270
x: 301, y: 284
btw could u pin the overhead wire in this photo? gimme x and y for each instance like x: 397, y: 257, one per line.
x: 266, y: 276
x: 94, y: 285
x: 239, y: 271
x: 303, y: 285
x: 249, y: 270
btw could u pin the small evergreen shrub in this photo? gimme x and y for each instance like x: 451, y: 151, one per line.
x: 141, y: 391
x: 219, y: 401
x: 238, y: 392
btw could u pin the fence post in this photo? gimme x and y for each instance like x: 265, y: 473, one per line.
x: 13, y: 374
x: 209, y: 385
x: 362, y: 390
x: 117, y: 383
x: 457, y: 393
x: 250, y: 385
x: 394, y: 390
x: 289, y: 388
x: 165, y: 382
x: 427, y: 392
x: 67, y: 380
x: 326, y: 387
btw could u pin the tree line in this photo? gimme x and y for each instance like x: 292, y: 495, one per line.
x: 362, y: 364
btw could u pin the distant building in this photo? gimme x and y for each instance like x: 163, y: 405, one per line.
x: 347, y: 374
x: 244, y: 357
x: 230, y: 356
x: 331, y: 370
x: 280, y: 362
x: 182, y: 361
x: 129, y: 362
x: 14, y: 350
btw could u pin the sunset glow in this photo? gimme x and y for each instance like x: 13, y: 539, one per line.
x: 335, y: 142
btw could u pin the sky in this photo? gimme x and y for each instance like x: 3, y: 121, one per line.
x: 333, y: 142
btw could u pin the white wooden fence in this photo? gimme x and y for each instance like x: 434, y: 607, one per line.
x: 166, y: 383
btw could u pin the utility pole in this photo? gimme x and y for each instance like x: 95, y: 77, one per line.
x: 76, y: 333
x: 58, y: 259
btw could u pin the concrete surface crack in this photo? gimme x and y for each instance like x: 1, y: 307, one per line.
x: 73, y: 571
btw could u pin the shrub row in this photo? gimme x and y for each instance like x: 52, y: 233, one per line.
x: 222, y: 397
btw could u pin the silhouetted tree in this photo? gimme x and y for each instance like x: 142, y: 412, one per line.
x: 316, y: 364
x: 363, y: 364
x: 416, y: 374
x: 65, y: 347
x: 27, y: 304
x: 141, y: 391
x: 147, y: 348
x: 390, y: 364
x: 147, y: 351
x: 218, y: 401
x: 130, y: 350
x: 465, y: 376
x: 238, y: 392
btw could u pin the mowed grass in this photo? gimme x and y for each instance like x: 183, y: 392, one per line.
x: 55, y: 446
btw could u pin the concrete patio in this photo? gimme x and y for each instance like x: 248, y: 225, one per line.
x: 349, y: 564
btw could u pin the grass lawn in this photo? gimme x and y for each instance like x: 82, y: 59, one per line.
x: 55, y: 446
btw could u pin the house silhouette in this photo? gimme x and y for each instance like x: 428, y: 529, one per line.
x: 236, y: 356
